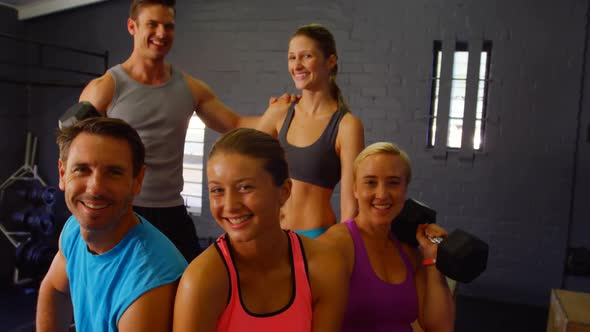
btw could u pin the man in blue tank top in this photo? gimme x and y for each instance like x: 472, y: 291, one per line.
x: 158, y: 99
x: 113, y: 268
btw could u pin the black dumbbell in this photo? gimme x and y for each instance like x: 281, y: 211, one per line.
x: 77, y: 112
x: 412, y: 214
x: 461, y: 256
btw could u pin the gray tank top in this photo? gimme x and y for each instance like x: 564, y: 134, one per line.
x: 160, y: 114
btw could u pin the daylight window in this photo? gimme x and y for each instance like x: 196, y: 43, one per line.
x: 458, y: 81
x: 193, y: 165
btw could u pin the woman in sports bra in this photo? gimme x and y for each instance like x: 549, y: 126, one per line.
x: 257, y: 277
x: 392, y: 285
x: 319, y: 134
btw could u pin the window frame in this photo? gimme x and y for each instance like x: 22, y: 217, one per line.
x: 438, y: 79
x: 195, y: 124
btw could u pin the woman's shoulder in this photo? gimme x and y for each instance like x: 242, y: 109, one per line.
x: 327, y: 272
x: 335, y: 244
x: 335, y: 235
x: 351, y: 128
x: 207, y: 270
x: 350, y: 120
x: 203, y: 291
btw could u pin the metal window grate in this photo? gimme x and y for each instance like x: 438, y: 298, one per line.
x: 193, y: 165
x: 459, y: 84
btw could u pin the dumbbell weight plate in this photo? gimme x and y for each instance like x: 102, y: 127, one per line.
x: 462, y: 256
x: 77, y: 112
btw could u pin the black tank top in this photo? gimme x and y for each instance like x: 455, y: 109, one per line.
x: 317, y: 163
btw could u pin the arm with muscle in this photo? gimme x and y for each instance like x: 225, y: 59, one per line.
x: 329, y: 285
x: 436, y: 307
x: 99, y: 92
x: 152, y: 311
x: 202, y: 293
x: 54, y: 305
x: 213, y: 112
x: 217, y: 116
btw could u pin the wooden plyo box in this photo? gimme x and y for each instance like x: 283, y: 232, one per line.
x: 568, y: 311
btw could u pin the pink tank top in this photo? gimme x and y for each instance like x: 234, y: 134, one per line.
x: 295, y: 316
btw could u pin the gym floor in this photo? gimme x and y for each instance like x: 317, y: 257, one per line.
x: 17, y: 314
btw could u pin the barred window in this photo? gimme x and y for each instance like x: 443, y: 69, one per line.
x: 459, y: 84
x: 193, y: 165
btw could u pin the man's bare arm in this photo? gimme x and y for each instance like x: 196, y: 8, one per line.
x: 217, y: 116
x: 54, y: 305
x: 214, y: 113
x: 152, y: 311
x: 99, y: 92
x: 275, y: 114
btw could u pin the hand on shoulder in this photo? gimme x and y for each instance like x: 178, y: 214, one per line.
x: 275, y: 114
x: 289, y: 98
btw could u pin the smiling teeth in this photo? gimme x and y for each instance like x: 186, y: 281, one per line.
x: 95, y: 206
x: 382, y: 207
x: 236, y: 221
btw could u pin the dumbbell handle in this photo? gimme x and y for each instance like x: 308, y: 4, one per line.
x: 435, y: 239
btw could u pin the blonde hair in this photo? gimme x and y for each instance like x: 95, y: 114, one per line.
x: 385, y: 148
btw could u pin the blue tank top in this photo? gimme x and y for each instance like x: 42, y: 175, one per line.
x: 318, y: 163
x: 103, y: 286
x: 375, y: 305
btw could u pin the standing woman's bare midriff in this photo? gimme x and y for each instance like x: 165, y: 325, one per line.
x: 308, y: 207
x: 320, y: 136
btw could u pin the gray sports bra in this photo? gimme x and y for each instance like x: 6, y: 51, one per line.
x: 318, y: 163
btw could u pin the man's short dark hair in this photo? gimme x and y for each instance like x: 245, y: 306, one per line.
x: 137, y: 4
x: 103, y: 126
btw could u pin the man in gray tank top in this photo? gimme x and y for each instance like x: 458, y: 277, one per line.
x: 158, y: 100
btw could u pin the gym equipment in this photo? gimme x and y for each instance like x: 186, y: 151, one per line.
x: 578, y: 261
x: 77, y: 112
x: 461, y: 256
x: 28, y: 171
x: 33, y: 258
x: 412, y: 214
x: 22, y: 196
x: 38, y: 195
x: 36, y: 220
x: 27, y: 221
